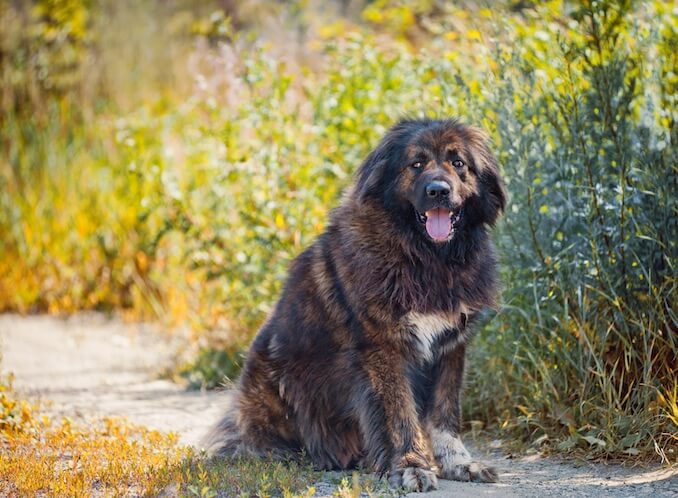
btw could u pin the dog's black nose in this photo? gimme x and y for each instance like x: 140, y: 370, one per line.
x: 437, y: 189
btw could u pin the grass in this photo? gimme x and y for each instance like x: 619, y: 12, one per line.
x: 112, y: 457
x: 248, y: 477
x: 61, y: 458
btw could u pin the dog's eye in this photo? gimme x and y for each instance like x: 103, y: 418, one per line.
x: 417, y: 165
x: 458, y: 163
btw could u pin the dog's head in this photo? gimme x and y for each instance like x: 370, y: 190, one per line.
x: 434, y: 176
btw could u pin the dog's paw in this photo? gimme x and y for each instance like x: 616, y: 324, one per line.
x: 472, y: 471
x: 413, y: 479
x: 454, y: 460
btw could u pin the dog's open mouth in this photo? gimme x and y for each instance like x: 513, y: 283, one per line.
x: 439, y: 222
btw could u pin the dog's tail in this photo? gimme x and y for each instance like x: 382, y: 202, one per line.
x: 224, y: 439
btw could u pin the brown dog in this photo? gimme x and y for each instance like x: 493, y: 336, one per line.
x: 361, y: 362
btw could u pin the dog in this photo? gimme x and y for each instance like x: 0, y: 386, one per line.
x: 361, y: 362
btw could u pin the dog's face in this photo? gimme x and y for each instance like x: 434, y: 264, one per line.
x: 435, y: 177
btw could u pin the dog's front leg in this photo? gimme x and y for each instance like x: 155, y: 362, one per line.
x: 393, y: 436
x: 454, y: 460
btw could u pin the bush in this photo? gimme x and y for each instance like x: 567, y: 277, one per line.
x: 191, y: 206
x: 584, y: 351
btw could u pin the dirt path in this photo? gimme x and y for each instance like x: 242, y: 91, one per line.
x: 89, y: 365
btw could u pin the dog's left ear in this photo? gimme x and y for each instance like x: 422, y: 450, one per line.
x: 370, y: 173
x: 490, y: 178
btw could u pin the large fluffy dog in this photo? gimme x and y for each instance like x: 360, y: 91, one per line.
x: 362, y: 361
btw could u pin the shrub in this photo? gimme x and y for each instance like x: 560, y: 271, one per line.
x: 584, y: 352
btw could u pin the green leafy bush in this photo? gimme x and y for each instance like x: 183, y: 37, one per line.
x: 584, y: 349
x: 190, y: 206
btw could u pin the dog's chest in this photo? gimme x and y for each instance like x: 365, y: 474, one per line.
x: 432, y: 331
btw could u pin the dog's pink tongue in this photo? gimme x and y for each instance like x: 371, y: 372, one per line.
x: 438, y: 224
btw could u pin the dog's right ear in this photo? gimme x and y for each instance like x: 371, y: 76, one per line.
x: 370, y: 174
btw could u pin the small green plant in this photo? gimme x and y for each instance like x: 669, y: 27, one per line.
x: 365, y: 485
x: 212, y: 367
x: 247, y: 477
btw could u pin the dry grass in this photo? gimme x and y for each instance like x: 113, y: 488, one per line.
x: 112, y: 457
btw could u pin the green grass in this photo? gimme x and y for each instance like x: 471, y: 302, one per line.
x: 248, y: 477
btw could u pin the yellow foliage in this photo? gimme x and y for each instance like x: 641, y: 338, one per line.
x: 111, y: 456
x: 474, y: 34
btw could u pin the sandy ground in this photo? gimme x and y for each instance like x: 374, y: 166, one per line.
x: 88, y: 365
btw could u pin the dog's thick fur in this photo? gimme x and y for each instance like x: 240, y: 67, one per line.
x: 361, y: 362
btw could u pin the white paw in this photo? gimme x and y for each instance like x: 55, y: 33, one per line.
x: 413, y: 479
x: 454, y: 460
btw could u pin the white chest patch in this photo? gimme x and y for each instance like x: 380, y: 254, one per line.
x: 428, y: 328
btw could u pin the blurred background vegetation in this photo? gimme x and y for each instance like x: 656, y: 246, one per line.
x: 167, y: 159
